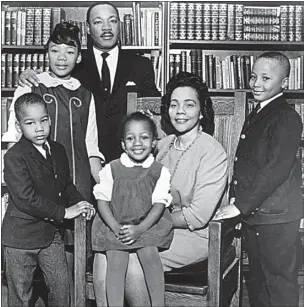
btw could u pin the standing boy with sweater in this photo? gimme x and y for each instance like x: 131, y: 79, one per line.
x: 41, y: 196
x: 266, y: 186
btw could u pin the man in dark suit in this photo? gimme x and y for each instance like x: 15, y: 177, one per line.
x: 266, y: 186
x: 41, y: 196
x: 110, y: 76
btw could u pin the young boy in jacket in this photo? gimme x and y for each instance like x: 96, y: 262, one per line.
x: 266, y: 186
x: 41, y: 197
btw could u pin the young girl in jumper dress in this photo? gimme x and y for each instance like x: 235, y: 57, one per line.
x: 131, y: 199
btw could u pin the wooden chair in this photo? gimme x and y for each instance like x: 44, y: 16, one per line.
x: 216, y: 281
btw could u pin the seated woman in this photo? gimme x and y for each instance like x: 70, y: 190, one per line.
x: 198, y: 167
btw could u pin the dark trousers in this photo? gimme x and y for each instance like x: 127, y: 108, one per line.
x: 273, y: 278
x: 20, y: 268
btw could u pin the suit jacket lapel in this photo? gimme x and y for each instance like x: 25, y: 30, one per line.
x: 34, y: 153
x: 265, y: 111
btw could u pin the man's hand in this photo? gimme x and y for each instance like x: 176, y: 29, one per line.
x: 86, y: 209
x: 29, y: 78
x: 129, y: 233
x: 227, y: 212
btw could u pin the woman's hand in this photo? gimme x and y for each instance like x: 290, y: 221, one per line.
x: 129, y: 233
x: 29, y: 78
x: 227, y: 212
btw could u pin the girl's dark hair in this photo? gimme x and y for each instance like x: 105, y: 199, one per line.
x: 139, y: 117
x: 184, y: 79
x: 65, y: 33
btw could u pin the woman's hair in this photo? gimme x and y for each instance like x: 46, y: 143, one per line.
x: 184, y: 79
x: 139, y: 117
x: 65, y: 33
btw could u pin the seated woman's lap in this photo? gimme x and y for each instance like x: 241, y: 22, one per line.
x: 186, y: 248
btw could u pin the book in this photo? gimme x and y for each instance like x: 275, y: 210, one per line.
x: 223, y: 20
x: 230, y: 22
x: 9, y: 70
x: 214, y: 21
x: 29, y: 28
x: 14, y: 28
x: 38, y: 26
x: 46, y: 24
x: 16, y: 61
x: 198, y: 21
x: 7, y: 26
x: 182, y: 20
x: 190, y: 34
x: 207, y: 21
x: 3, y: 69
x: 174, y: 21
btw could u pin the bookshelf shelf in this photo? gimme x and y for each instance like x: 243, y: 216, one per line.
x: 239, y: 45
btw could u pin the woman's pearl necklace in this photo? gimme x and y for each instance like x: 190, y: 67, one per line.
x: 179, y: 148
x: 172, y: 143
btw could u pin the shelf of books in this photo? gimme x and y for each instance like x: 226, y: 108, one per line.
x: 26, y: 27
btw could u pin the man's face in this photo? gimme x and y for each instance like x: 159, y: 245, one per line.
x: 104, y: 27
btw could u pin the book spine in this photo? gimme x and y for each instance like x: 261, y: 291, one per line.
x: 4, y: 117
x: 28, y: 61
x: 171, y: 65
x: 41, y: 61
x: 38, y: 27
x: 22, y: 63
x: 9, y: 76
x: 284, y: 22
x: 19, y: 28
x: 7, y: 27
x: 128, y: 30
x: 239, y: 9
x: 183, y: 61
x: 3, y: 69
x: 291, y: 23
x: 299, y: 23
x: 16, y: 61
x: 214, y: 21
x: 199, y: 62
x: 198, y: 21
x: 223, y: 20
x: 2, y: 27
x: 207, y: 21
x: 174, y: 21
x: 177, y: 64
x: 156, y: 29
x: 193, y: 61
x: 231, y: 22
x: 35, y: 61
x: 14, y: 28
x: 29, y: 30
x: 46, y: 27
x: 182, y: 18
x: 190, y: 20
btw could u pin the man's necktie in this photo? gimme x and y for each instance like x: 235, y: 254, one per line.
x: 105, y: 74
x: 47, y: 152
x: 253, y: 113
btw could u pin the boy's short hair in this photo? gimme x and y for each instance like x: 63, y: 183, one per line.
x: 280, y: 58
x: 27, y: 100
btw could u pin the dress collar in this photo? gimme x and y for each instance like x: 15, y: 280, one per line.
x: 70, y: 84
x: 127, y: 162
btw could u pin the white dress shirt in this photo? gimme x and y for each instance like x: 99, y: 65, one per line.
x: 112, y: 61
x: 263, y: 104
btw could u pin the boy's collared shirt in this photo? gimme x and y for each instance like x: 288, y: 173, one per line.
x: 263, y: 104
x: 161, y: 194
x: 41, y: 150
